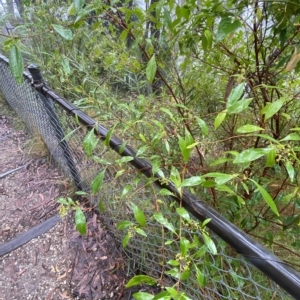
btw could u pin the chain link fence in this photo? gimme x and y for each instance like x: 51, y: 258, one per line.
x: 153, y: 248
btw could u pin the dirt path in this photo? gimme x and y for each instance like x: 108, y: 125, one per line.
x: 59, y: 264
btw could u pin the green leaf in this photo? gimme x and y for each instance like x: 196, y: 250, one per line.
x: 163, y: 221
x: 200, y: 277
x: 248, y: 128
x: 235, y: 95
x: 175, y: 177
x: 203, y: 126
x: 250, y: 155
x: 80, y: 221
x: 138, y: 215
x: 205, y: 222
x: 184, y: 246
x: 210, y: 244
x: 62, y: 201
x: 220, y: 161
x: 271, y: 158
x: 183, y: 213
x: 273, y: 108
x: 109, y: 134
x: 220, y: 178
x: 219, y: 119
x: 173, y: 262
x: 16, y: 64
x: 124, y: 224
x: 239, y: 106
x: 142, y: 296
x: 226, y: 26
x: 192, y: 181
x: 291, y: 137
x: 165, y: 192
x: 124, y: 159
x: 126, y: 240
x: 267, y: 197
x: 63, y: 32
x: 208, y: 183
x: 290, y: 169
x: 183, y: 148
x: 141, y: 232
x: 97, y: 182
x: 101, y: 160
x: 126, y: 190
x: 101, y: 205
x: 90, y: 142
x: 66, y: 66
x: 151, y: 69
x: 81, y: 193
x: 208, y: 37
x: 71, y: 10
x: 139, y: 279
x: 78, y: 4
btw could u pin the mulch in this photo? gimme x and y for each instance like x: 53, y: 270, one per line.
x: 59, y: 264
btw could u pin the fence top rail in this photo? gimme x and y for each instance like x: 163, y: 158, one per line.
x: 279, y: 271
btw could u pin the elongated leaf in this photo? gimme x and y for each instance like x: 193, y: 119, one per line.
x: 138, y: 215
x: 78, y: 4
x: 273, y: 108
x: 183, y: 213
x: 165, y: 192
x: 16, y: 64
x: 271, y: 158
x: 207, y: 40
x: 141, y: 232
x: 184, y: 246
x: 210, y: 244
x: 248, y: 128
x: 267, y: 197
x: 80, y: 221
x: 250, y: 155
x: 142, y: 296
x: 183, y: 148
x: 290, y: 169
x: 235, y: 95
x: 200, y: 277
x: 203, y: 126
x: 192, y: 181
x: 124, y: 224
x: 151, y: 69
x: 226, y: 26
x: 90, y: 142
x: 97, y: 182
x: 291, y: 137
x: 220, y: 161
x: 163, y: 221
x: 139, y: 279
x: 71, y: 10
x: 219, y: 119
x: 239, y: 106
x: 65, y: 33
x: 126, y: 240
x: 220, y: 178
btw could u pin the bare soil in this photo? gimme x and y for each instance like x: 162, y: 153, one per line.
x: 59, y: 264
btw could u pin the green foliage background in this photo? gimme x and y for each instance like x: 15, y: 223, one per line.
x: 209, y: 92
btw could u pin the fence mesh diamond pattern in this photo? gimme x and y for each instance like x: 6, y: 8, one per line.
x: 228, y: 275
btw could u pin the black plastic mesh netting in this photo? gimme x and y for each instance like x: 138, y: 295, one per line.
x: 228, y: 275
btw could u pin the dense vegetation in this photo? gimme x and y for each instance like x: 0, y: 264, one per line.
x: 207, y: 90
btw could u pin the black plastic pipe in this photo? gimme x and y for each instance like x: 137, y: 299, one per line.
x: 281, y: 273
